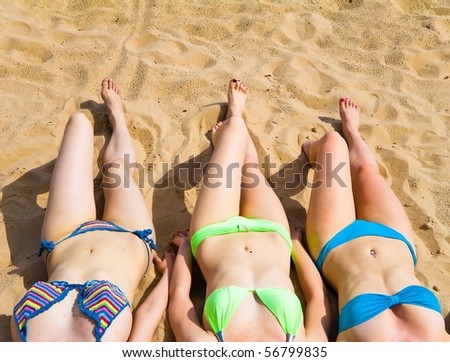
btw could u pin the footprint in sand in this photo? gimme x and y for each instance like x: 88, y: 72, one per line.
x: 196, y: 127
x: 431, y: 64
x: 441, y: 25
x: 314, y: 132
x: 25, y: 51
x: 372, y: 104
x: 307, y: 81
x: 306, y: 27
x: 166, y: 50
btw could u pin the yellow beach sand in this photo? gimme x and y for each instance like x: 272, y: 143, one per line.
x: 173, y: 60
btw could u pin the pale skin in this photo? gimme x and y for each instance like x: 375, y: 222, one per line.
x: 368, y: 264
x: 251, y: 260
x: 120, y: 258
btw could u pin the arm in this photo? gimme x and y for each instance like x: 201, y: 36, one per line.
x: 149, y: 313
x: 318, y: 309
x: 182, y: 315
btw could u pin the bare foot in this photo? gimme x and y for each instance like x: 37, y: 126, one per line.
x: 110, y: 93
x: 349, y: 112
x: 306, y: 148
x: 214, y: 134
x: 237, y: 95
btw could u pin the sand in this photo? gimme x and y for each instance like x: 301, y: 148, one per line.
x: 173, y: 60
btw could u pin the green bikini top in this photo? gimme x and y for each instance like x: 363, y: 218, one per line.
x: 237, y: 224
x: 284, y: 305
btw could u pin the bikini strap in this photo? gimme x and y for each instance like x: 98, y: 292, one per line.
x: 145, y: 236
x: 219, y: 336
x: 290, y: 337
x: 46, y: 245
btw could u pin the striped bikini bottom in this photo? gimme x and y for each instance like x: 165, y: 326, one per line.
x: 101, y: 301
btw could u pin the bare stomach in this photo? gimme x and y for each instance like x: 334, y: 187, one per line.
x: 369, y: 265
x: 250, y: 259
x: 120, y: 258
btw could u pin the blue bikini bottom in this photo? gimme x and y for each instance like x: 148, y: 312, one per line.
x: 368, y: 305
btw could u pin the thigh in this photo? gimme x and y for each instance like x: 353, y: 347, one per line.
x: 331, y: 205
x: 71, y: 196
x: 124, y: 202
x: 258, y: 200
x: 376, y: 201
x: 220, y: 190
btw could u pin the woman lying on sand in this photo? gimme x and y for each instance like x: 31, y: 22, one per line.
x: 361, y: 240
x: 242, y: 244
x: 94, y: 266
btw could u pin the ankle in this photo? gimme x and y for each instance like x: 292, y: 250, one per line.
x: 351, y: 134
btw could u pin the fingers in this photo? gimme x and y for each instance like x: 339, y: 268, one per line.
x: 161, y: 264
x: 169, y: 255
x: 156, y: 257
x: 182, y: 233
x: 157, y: 260
x: 166, y: 262
x: 179, y: 237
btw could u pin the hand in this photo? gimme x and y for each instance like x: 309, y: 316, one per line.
x: 179, y: 237
x: 296, y: 233
x: 166, y: 263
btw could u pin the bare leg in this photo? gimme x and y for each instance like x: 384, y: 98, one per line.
x: 220, y: 191
x: 258, y: 200
x: 331, y: 205
x: 374, y: 199
x: 71, y: 197
x: 124, y: 203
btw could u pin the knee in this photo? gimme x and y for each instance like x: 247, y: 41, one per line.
x: 366, y: 170
x: 233, y: 130
x: 79, y: 120
x: 333, y: 141
x: 78, y: 117
x: 237, y: 127
x: 333, y: 137
x: 236, y: 123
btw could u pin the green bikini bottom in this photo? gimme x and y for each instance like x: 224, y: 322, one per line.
x: 284, y: 305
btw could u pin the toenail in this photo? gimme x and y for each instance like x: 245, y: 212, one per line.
x: 234, y: 80
x: 342, y: 100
